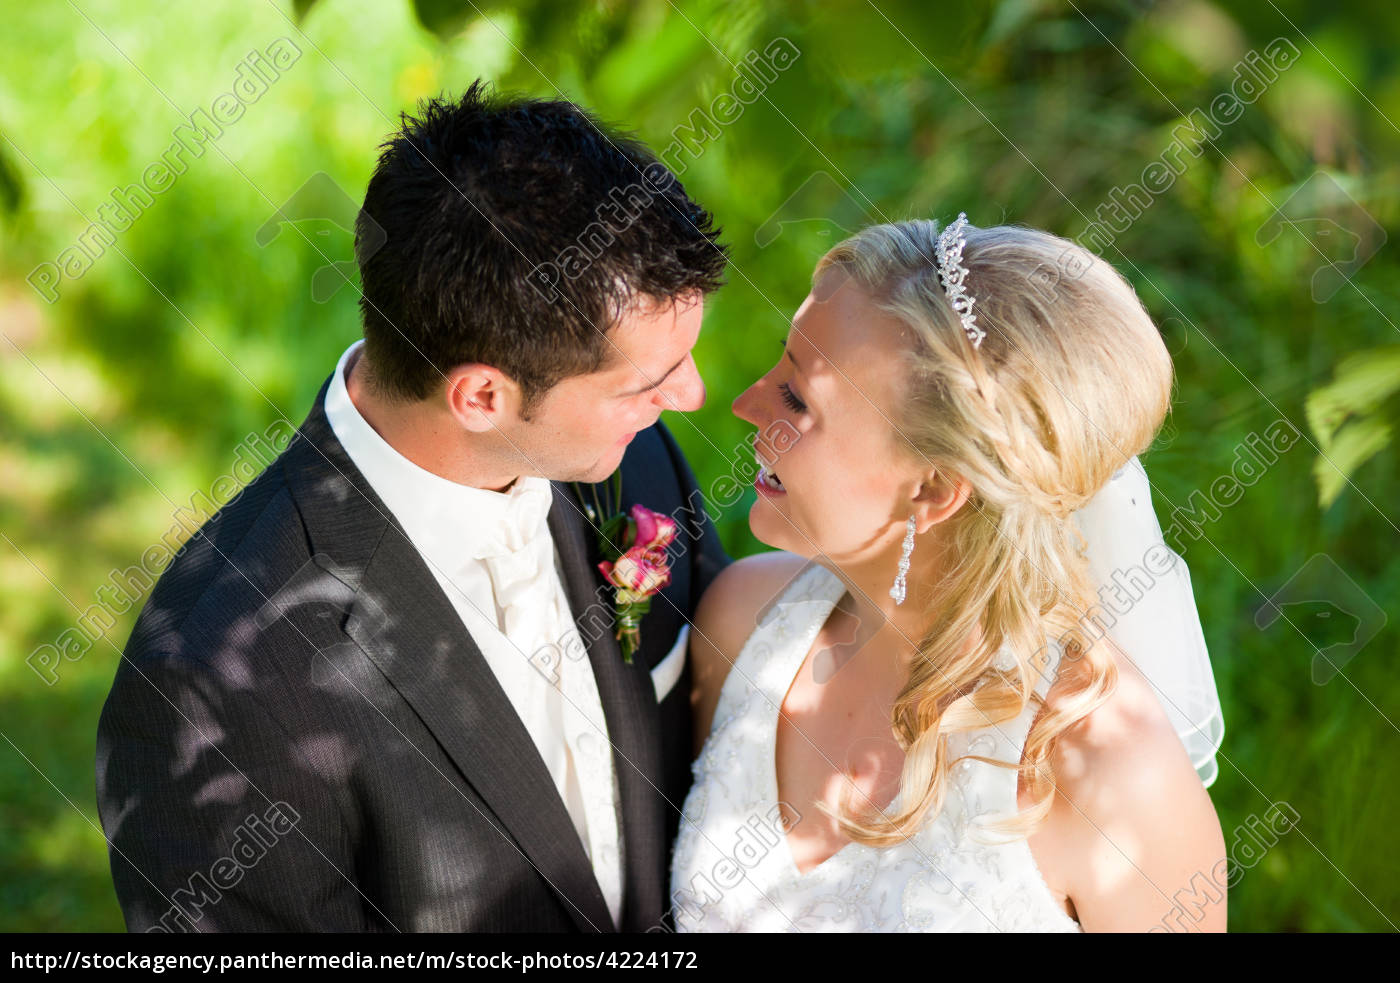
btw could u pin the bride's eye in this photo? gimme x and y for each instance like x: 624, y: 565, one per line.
x: 790, y: 398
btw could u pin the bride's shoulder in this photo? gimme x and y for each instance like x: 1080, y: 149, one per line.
x: 730, y: 607
x: 1124, y: 732
x: 1130, y: 807
x: 1127, y: 742
x: 729, y: 612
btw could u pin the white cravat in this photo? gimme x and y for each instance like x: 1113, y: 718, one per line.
x: 493, y: 556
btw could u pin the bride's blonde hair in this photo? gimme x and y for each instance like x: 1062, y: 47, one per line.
x: 1070, y: 381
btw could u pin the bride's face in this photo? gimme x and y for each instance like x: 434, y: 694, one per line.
x: 846, y: 490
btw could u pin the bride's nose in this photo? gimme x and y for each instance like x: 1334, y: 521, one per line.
x: 746, y: 405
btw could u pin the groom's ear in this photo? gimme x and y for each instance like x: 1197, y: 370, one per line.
x: 938, y: 497
x: 482, y: 397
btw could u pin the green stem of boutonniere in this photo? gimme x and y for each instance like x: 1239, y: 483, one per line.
x: 630, y: 611
x: 592, y: 510
x: 600, y: 513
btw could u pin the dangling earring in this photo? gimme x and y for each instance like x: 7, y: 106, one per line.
x: 898, y: 590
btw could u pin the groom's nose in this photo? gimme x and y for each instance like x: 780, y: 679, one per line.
x: 685, y: 390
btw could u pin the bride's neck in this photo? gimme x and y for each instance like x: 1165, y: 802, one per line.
x: 869, y: 582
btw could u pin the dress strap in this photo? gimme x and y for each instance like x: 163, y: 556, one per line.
x: 814, y: 583
x: 785, y: 630
x: 988, y: 791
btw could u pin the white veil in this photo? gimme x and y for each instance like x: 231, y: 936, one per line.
x: 1160, y: 630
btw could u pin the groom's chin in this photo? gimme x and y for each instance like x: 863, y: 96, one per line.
x: 602, y: 469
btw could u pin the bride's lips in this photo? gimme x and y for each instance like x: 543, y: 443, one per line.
x: 767, y: 482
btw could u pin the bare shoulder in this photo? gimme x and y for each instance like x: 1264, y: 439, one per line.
x: 1132, y: 831
x: 726, y: 617
x: 1129, y: 729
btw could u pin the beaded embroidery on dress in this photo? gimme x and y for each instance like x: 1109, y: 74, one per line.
x: 732, y: 870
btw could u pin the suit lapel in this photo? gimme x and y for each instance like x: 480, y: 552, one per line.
x: 436, y: 666
x: 409, y: 629
x: 629, y: 708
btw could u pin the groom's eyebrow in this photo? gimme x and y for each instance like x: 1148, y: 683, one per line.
x: 648, y: 388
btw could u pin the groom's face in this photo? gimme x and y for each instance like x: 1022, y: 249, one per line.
x: 581, y: 428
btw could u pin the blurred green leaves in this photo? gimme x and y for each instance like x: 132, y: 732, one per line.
x: 11, y: 186
x: 1354, y: 417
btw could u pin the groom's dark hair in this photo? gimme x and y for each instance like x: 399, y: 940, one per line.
x: 515, y: 233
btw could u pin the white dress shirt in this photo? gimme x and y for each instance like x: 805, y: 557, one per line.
x: 493, y: 556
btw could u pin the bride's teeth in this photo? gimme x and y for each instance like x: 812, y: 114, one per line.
x: 766, y: 475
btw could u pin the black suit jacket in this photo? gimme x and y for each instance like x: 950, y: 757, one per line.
x: 303, y: 736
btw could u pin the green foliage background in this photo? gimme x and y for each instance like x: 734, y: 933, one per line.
x: 128, y: 396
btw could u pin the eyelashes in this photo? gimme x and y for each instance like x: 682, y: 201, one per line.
x: 793, y: 403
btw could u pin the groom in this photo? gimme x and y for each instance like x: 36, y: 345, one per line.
x: 380, y: 690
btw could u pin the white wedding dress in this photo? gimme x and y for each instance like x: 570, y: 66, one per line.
x: 732, y: 870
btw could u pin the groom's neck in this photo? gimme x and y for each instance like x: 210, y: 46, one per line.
x: 426, y: 435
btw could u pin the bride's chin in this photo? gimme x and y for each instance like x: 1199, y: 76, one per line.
x: 770, y: 527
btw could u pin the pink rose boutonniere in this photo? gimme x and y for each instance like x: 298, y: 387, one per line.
x: 637, y: 569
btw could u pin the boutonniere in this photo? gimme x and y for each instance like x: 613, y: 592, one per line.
x: 633, y: 545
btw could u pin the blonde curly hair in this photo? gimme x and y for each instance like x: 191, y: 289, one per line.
x: 1071, y: 380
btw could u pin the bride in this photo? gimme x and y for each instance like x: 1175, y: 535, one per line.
x: 911, y: 716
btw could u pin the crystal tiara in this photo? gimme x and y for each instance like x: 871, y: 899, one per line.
x: 949, y: 252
